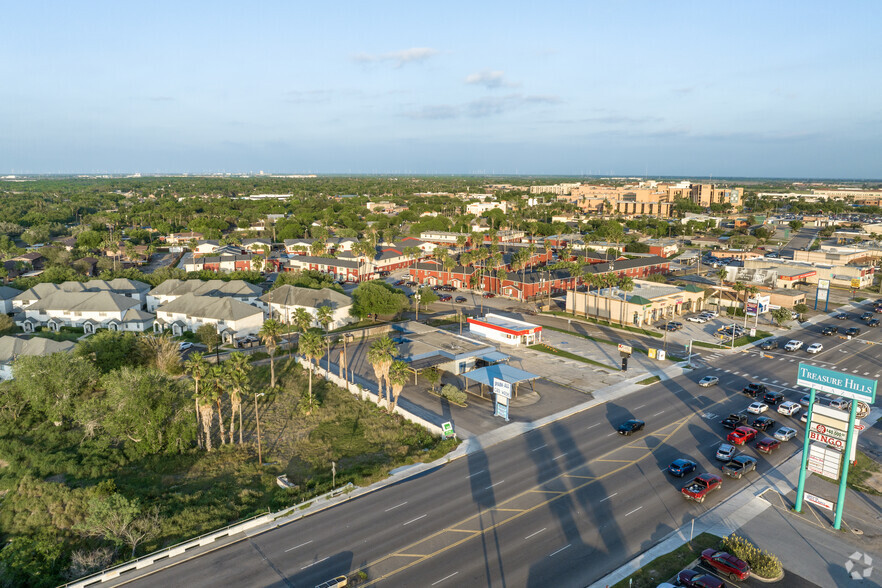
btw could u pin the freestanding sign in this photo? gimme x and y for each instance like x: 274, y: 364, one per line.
x: 502, y: 392
x: 838, y: 383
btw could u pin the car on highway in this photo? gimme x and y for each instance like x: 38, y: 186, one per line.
x: 793, y: 345
x: 460, y: 299
x: 757, y: 407
x: 866, y: 316
x: 830, y: 330
x: 631, y: 426
x: 763, y: 423
x: 767, y: 445
x: 841, y: 316
x: 873, y: 323
x: 708, y: 381
x: 727, y: 564
x: 769, y: 345
x: 736, y: 419
x: 785, y: 434
x: 814, y: 348
x: 772, y: 398
x: 725, y: 452
x: 739, y: 466
x: 681, y: 467
x: 697, y: 579
x: 184, y: 345
x: 697, y: 319
x: 853, y: 332
x: 789, y: 408
x: 741, y: 435
x: 701, y: 486
x: 753, y: 389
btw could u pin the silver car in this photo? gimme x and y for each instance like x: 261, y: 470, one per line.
x: 725, y: 452
x: 708, y: 381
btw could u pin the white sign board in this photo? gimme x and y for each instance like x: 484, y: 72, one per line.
x: 834, y: 443
x: 833, y: 413
x: 823, y: 429
x: 625, y: 348
x: 824, y: 461
x: 501, y: 388
x: 823, y: 284
x: 836, y: 423
x: 817, y: 500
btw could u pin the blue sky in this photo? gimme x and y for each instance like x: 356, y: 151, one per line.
x: 685, y: 88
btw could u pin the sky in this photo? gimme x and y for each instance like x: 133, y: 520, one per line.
x: 699, y: 89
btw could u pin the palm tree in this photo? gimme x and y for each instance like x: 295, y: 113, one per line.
x: 325, y: 316
x: 721, y: 274
x: 398, y: 376
x: 626, y: 284
x: 381, y: 355
x: 206, y: 415
x: 311, y: 348
x: 237, y: 375
x: 740, y: 287
x: 269, y: 334
x: 301, y: 320
x: 216, y: 380
x: 196, y: 367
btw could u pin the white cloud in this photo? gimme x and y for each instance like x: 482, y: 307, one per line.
x: 489, y: 79
x: 399, y: 58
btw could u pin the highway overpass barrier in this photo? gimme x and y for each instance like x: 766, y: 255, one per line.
x: 169, y: 552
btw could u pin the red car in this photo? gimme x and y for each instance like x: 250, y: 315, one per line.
x: 728, y: 564
x: 741, y: 435
x: 767, y: 445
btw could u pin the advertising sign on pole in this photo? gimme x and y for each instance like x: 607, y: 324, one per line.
x: 824, y: 461
x: 625, y: 348
x: 838, y: 383
x: 447, y: 430
x: 818, y: 501
x: 856, y: 283
x: 822, y: 429
x: 501, y: 388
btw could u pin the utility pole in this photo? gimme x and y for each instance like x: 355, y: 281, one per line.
x: 257, y: 418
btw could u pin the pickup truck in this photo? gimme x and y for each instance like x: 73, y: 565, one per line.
x: 739, y: 466
x: 700, y: 487
x: 734, y: 420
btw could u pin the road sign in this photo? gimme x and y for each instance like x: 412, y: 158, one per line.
x: 501, y: 388
x: 818, y: 501
x: 856, y: 283
x: 660, y: 355
x: 822, y: 429
x: 824, y: 461
x: 626, y: 348
x: 447, y: 429
x: 838, y: 383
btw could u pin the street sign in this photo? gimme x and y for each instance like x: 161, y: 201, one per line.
x: 838, y: 383
x: 824, y: 461
x: 660, y: 355
x: 447, y: 429
x: 501, y: 388
x: 818, y: 501
x: 625, y: 348
x: 822, y: 429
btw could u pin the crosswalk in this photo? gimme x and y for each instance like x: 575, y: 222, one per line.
x: 707, y: 360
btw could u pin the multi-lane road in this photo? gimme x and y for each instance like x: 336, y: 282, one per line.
x: 563, y: 504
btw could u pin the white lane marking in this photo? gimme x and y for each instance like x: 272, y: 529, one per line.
x: 727, y: 371
x: 540, y: 447
x: 415, y: 520
x: 658, y: 413
x: 775, y: 381
x: 396, y: 506
x: 765, y: 380
x: 445, y: 578
x: 559, y: 456
x: 561, y: 549
x: 592, y: 426
x: 613, y: 433
x: 315, y: 562
x: 866, y: 373
x: 714, y: 443
x: 608, y: 497
x: 635, y: 510
x: 475, y: 474
x: 301, y: 545
x: 639, y: 407
x: 496, y: 484
x: 534, y: 534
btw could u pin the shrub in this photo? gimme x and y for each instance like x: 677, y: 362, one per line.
x: 762, y: 563
x: 453, y: 394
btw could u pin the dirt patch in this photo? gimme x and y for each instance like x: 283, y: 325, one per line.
x: 4, y: 463
x: 57, y: 479
x: 874, y: 481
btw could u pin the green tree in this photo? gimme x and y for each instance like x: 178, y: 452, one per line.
x: 325, y: 316
x: 781, y: 315
x: 54, y: 384
x: 122, y: 521
x: 6, y: 324
x: 800, y: 308
x: 269, y: 334
x: 433, y: 375
x: 302, y: 319
x: 795, y: 225
x: 110, y: 350
x: 237, y: 368
x: 381, y: 354
x: 398, y: 377
x: 311, y: 347
x: 377, y: 297
x: 197, y: 368
x: 208, y: 336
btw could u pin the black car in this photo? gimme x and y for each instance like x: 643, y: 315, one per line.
x: 753, y: 390
x: 762, y: 423
x: 772, y: 398
x: 767, y: 345
x: 698, y: 579
x: 853, y: 332
x: 631, y: 426
x: 873, y: 323
x: 841, y: 316
x: 460, y: 299
x: 866, y: 316
x: 829, y: 330
x: 734, y: 420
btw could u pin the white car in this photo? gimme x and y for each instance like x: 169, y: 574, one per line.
x: 793, y: 345
x: 709, y: 381
x: 757, y: 408
x: 184, y: 345
x: 710, y: 313
x: 785, y: 434
x: 696, y: 319
x: 789, y: 408
x: 814, y: 348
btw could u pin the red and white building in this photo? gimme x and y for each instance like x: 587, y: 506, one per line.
x: 506, y: 331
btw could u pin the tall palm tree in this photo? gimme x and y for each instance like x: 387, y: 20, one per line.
x: 398, y: 377
x: 626, y: 284
x: 381, y: 355
x: 197, y: 368
x: 721, y: 274
x: 269, y: 334
x: 311, y: 348
x: 216, y: 380
x: 237, y: 375
x: 206, y: 415
x: 740, y: 287
x: 301, y: 320
x: 325, y: 316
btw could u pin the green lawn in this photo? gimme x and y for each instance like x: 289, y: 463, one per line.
x: 859, y: 473
x: 650, y: 380
x: 666, y: 566
x: 554, y: 351
x: 602, y: 323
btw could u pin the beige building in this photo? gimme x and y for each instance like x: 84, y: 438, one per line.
x: 647, y: 304
x: 836, y: 255
x: 649, y: 199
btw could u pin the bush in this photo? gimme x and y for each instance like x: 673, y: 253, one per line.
x: 762, y: 563
x: 453, y: 394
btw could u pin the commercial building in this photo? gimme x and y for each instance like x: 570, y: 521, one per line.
x: 505, y: 330
x: 647, y: 304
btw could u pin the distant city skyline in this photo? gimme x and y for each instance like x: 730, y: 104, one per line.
x: 752, y: 90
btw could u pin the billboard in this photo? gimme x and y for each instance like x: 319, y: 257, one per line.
x: 838, y: 383
x: 753, y: 275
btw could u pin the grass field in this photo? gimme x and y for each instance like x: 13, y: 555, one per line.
x: 667, y: 566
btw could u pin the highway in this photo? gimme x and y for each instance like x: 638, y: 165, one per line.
x: 566, y: 503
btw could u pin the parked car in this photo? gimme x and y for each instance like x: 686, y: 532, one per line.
x: 734, y: 420
x: 184, y: 345
x: 767, y: 445
x: 757, y: 407
x: 725, y: 452
x: 631, y: 426
x: 873, y: 322
x: 830, y: 330
x: 739, y: 466
x: 753, y: 389
x: 681, y: 467
x: 767, y: 345
x: 741, y: 435
x: 701, y: 486
x: 793, y: 345
x: 489, y: 295
x: 853, y: 332
x: 841, y: 404
x: 814, y: 348
x: 697, y: 579
x: 866, y: 316
x: 696, y: 319
x: 762, y: 423
x: 460, y: 299
x: 445, y: 297
x: 711, y: 313
x: 785, y: 434
x: 399, y: 282
x: 789, y: 408
x: 729, y: 565
x: 772, y: 398
x: 841, y: 316
x: 708, y: 381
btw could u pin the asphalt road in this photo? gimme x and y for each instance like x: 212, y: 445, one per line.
x: 801, y: 240
x: 566, y: 504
